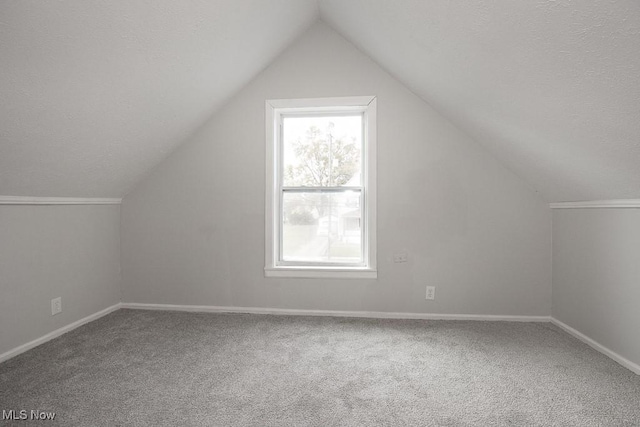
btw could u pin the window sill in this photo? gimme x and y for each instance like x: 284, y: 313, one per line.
x: 321, y: 272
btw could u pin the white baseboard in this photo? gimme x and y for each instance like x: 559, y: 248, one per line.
x: 633, y: 367
x: 333, y: 313
x: 51, y: 335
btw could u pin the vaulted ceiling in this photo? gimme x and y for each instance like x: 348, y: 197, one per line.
x: 551, y: 87
x: 95, y: 93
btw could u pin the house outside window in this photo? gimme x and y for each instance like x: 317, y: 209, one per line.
x: 321, y: 188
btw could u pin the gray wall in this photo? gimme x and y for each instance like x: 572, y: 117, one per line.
x: 55, y: 251
x: 596, y: 275
x: 193, y: 231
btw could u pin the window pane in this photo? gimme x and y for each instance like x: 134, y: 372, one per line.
x: 322, y: 227
x: 323, y: 151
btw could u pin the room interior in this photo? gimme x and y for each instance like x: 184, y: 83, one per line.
x: 132, y: 187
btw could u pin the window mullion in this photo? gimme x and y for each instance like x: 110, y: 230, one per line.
x: 321, y: 189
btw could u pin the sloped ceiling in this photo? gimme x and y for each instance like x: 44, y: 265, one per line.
x: 93, y: 93
x: 550, y: 87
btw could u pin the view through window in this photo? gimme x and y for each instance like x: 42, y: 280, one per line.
x: 321, y: 189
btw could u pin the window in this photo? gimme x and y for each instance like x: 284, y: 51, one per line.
x: 321, y: 194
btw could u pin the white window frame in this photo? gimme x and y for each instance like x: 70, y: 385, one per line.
x: 275, y: 109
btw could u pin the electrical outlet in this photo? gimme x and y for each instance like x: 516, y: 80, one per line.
x: 400, y: 257
x: 431, y: 292
x: 56, y: 306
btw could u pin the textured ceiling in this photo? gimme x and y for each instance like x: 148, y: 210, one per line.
x: 550, y: 87
x: 94, y: 93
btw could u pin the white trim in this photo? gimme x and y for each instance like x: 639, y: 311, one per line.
x: 330, y: 313
x: 273, y: 111
x: 371, y: 186
x: 633, y: 367
x: 319, y: 103
x: 321, y: 273
x: 619, y: 203
x: 270, y: 184
x: 333, y: 313
x: 51, y: 335
x: 22, y: 200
